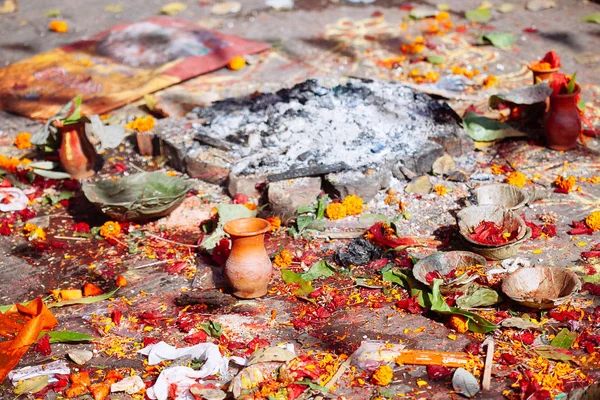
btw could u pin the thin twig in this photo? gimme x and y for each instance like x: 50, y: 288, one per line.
x: 172, y: 241
x: 70, y: 238
x: 151, y: 264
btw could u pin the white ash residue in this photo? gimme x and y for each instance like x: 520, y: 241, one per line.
x: 365, y: 124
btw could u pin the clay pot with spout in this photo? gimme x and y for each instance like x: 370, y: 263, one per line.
x: 563, y: 123
x: 77, y: 155
x: 248, y: 268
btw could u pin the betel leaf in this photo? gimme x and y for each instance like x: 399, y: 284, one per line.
x: 594, y: 17
x: 55, y: 199
x: 564, y: 339
x: 292, y: 277
x: 306, y: 209
x: 481, y: 15
x: 554, y: 353
x: 226, y: 213
x: 83, y: 300
x: 521, y: 323
x: 47, y: 135
x: 465, y: 383
x: 321, y: 206
x: 436, y: 60
x: 66, y: 337
x: 571, y: 84
x: 75, y: 114
x: 212, y: 328
x: 319, y: 269
x: 303, y: 221
x: 502, y: 40
x: 522, y: 95
x: 481, y: 297
x: 483, y: 129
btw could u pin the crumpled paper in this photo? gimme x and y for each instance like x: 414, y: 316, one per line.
x: 17, y: 199
x: 184, y: 377
x: 54, y: 368
x: 129, y: 385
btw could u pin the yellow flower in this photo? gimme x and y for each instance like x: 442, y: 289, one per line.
x: 383, y: 375
x: 58, y: 26
x: 237, y: 63
x: 353, y: 204
x: 23, y: 141
x: 275, y: 223
x: 442, y: 16
x: 490, y: 81
x: 497, y: 169
x: 516, y: 178
x: 566, y: 184
x: 283, y: 259
x: 29, y: 227
x: 336, y: 211
x: 441, y: 190
x: 141, y: 124
x: 34, y: 232
x: 110, y: 229
x: 459, y: 323
x: 593, y: 221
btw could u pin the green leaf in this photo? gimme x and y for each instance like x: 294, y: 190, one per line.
x: 321, y: 206
x: 436, y: 60
x: 212, y: 328
x: 51, y: 174
x: 571, y: 84
x: 502, y: 40
x: 522, y: 95
x: 481, y: 297
x: 306, y: 209
x: 83, y: 300
x: 114, y: 8
x: 313, y: 386
x: 59, y: 197
x: 386, y: 393
x: 226, y: 212
x: 292, y: 277
x: 52, y: 13
x: 32, y: 385
x: 481, y: 15
x: 48, y: 165
x: 66, y: 337
x: 319, y: 269
x: 554, y: 353
x: 564, y: 339
x: 581, y: 105
x: 303, y: 221
x: 594, y: 17
x: 483, y: 129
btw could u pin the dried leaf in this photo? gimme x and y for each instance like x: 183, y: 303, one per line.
x: 465, y: 383
x: 502, y: 40
x: 9, y: 7
x: 483, y: 129
x: 443, y: 165
x: 564, y: 339
x: 515, y: 322
x: 114, y: 8
x: 173, y: 8
x: 267, y: 354
x: 554, y: 353
x: 481, y: 15
x: 523, y: 95
x: 80, y: 357
x: 420, y: 185
x: 32, y: 385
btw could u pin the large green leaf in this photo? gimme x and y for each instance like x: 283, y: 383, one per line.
x: 522, y: 95
x: 318, y: 270
x: 303, y: 221
x: 66, y: 337
x: 483, y: 129
x: 83, y: 300
x: 502, y: 40
x: 481, y: 15
x: 564, y: 339
x: 292, y: 277
x: 554, y: 353
x: 480, y: 297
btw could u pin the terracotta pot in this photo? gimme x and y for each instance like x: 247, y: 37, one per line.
x: 248, y: 267
x: 77, y: 155
x: 144, y: 142
x: 562, y: 122
x: 542, y: 74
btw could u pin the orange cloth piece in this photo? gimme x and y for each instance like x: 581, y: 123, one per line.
x: 22, y: 325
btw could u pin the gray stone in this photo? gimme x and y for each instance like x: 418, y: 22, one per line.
x: 422, y: 161
x: 458, y: 176
x: 286, y: 196
x: 245, y: 184
x: 364, y: 185
x: 420, y: 185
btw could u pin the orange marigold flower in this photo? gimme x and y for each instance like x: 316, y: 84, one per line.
x: 9, y: 164
x: 516, y: 178
x: 283, y: 259
x: 490, y: 80
x: 540, y: 66
x: 336, y: 211
x: 593, y: 221
x: 441, y: 190
x: 141, y: 124
x: 566, y: 184
x: 121, y: 281
x: 383, y: 375
x: 275, y: 223
x: 353, y: 204
x: 237, y: 63
x: 498, y: 169
x: 110, y: 229
x: 459, y: 323
x: 58, y: 26
x: 441, y: 16
x: 23, y: 141
x: 251, y: 206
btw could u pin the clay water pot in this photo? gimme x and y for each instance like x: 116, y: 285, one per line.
x: 562, y: 122
x: 248, y: 268
x: 542, y: 74
x: 144, y: 142
x: 77, y: 155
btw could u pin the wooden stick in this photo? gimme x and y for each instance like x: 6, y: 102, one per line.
x: 151, y: 264
x: 70, y: 238
x: 487, y: 370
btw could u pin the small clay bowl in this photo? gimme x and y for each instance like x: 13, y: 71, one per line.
x: 541, y: 287
x: 501, y: 194
x: 503, y: 252
x: 540, y: 75
x: 470, y: 217
x: 444, y: 263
